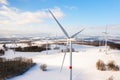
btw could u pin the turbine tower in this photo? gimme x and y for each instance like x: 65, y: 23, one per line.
x: 69, y: 39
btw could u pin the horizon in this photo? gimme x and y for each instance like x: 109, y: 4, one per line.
x: 25, y: 17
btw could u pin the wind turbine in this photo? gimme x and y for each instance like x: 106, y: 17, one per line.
x: 14, y: 45
x: 106, y: 38
x: 46, y: 45
x: 13, y: 42
x: 69, y: 39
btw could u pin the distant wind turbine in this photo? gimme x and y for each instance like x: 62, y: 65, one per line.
x: 69, y: 39
x: 106, y: 39
x: 14, y: 45
x: 47, y: 46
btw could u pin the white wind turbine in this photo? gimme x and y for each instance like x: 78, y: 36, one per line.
x: 46, y: 45
x: 14, y: 45
x: 13, y: 42
x: 69, y: 39
x: 106, y: 39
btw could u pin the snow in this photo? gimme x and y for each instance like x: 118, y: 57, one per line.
x: 84, y: 64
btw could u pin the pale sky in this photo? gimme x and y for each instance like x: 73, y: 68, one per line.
x: 32, y: 16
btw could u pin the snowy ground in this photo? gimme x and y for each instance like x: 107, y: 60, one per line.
x: 84, y: 64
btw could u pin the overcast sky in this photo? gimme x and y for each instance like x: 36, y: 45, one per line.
x: 32, y: 16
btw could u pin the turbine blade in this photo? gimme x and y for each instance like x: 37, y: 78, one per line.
x: 63, y: 61
x: 77, y: 33
x: 66, y: 34
x: 63, y: 58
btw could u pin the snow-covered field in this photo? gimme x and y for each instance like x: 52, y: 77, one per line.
x: 84, y: 64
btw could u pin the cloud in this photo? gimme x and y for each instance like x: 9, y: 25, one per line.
x: 14, y: 20
x: 116, y: 26
x: 5, y: 2
x: 14, y: 16
x: 57, y: 12
x: 71, y: 7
